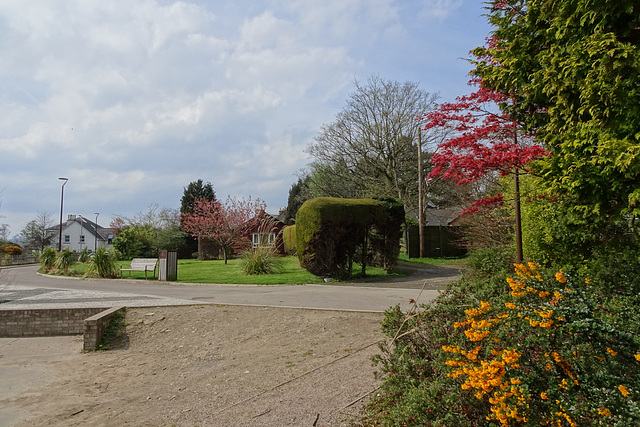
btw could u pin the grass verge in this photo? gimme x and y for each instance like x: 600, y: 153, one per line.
x: 215, y: 271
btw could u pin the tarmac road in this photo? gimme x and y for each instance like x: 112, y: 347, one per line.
x: 23, y: 288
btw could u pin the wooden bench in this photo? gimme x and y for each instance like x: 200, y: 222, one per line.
x: 141, y: 264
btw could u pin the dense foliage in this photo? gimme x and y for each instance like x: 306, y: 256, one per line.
x: 334, y: 233
x: 260, y: 260
x: 534, y: 347
x: 573, y: 68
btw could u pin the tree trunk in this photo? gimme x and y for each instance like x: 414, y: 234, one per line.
x: 518, y: 228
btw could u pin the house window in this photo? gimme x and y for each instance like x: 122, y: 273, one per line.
x: 110, y: 239
x: 261, y: 240
x: 67, y: 238
x: 82, y: 239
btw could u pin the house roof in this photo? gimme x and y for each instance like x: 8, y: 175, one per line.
x: 91, y: 227
x: 441, y: 217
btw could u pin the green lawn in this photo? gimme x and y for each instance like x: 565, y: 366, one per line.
x: 215, y: 271
x: 434, y: 261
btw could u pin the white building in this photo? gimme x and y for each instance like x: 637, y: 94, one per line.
x: 80, y: 233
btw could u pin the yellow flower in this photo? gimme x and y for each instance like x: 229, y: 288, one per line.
x: 637, y: 357
x: 510, y: 305
x: 546, y: 323
x: 510, y: 356
x: 604, y: 411
x: 612, y: 352
x: 560, y: 277
x: 545, y: 314
x: 544, y: 396
x: 623, y: 390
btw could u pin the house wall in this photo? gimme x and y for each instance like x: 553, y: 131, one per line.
x: 74, y: 230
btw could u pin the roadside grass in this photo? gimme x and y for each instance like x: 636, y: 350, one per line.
x: 215, y: 271
x: 454, y: 261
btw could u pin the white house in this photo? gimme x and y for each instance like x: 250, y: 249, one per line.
x: 80, y: 233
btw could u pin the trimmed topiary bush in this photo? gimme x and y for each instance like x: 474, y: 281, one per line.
x: 332, y: 233
x: 289, y: 239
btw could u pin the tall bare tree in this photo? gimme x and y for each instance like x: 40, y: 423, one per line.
x: 371, y: 147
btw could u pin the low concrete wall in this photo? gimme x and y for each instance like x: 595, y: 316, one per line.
x: 89, y: 322
x: 45, y: 322
x: 95, y: 325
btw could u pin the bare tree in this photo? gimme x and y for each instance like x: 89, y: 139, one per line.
x: 371, y: 147
x: 35, y: 234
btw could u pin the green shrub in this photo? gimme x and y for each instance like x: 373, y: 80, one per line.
x: 484, y: 263
x: 332, y: 233
x: 64, y: 260
x: 539, y: 352
x: 289, y: 239
x: 260, y: 261
x: 103, y: 264
x: 48, y: 259
x: 84, y: 255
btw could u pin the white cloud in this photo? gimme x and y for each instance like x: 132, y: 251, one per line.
x: 133, y: 100
x: 439, y: 8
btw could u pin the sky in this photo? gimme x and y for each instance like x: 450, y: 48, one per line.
x: 132, y: 101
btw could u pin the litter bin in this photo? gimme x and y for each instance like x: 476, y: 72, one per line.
x: 167, y: 266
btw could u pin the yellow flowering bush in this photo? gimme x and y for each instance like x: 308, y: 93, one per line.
x: 530, y: 347
x: 540, y: 357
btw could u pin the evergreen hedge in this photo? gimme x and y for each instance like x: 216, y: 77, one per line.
x: 332, y: 233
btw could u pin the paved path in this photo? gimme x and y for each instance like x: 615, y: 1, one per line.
x: 23, y: 288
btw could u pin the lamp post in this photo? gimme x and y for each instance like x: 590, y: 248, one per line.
x: 61, y: 203
x: 80, y: 219
x: 95, y: 242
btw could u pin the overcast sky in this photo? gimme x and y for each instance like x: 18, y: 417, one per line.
x: 132, y: 100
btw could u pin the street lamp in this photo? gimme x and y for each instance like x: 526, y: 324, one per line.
x: 61, y: 203
x: 80, y: 219
x: 95, y: 242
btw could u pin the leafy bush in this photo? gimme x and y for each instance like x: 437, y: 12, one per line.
x: 103, y: 264
x: 538, y: 352
x: 289, y: 239
x: 64, y: 260
x: 260, y: 261
x: 84, y: 255
x: 48, y: 258
x: 332, y: 233
x: 488, y: 262
x: 11, y: 249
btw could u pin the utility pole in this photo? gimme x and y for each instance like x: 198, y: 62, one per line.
x: 516, y: 196
x: 420, y: 195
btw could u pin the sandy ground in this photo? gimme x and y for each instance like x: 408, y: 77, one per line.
x: 207, y: 366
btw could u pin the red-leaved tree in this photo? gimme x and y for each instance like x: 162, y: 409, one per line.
x: 227, y: 224
x: 484, y: 141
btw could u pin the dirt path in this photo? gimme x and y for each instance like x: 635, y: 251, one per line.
x: 214, y: 366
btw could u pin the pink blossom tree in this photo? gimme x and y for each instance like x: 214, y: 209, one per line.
x: 227, y: 224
